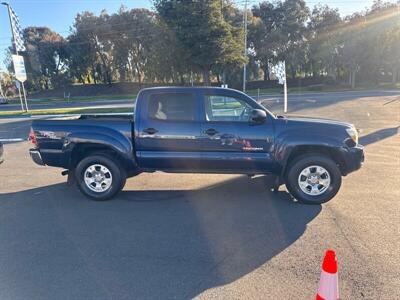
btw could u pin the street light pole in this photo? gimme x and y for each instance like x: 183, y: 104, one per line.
x: 245, y: 45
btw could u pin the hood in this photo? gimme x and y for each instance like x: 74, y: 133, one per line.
x: 314, y: 121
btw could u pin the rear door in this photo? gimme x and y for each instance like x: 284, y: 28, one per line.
x: 231, y: 144
x: 169, y: 130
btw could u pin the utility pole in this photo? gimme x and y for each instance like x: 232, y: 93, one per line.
x: 245, y: 44
x: 1, y: 88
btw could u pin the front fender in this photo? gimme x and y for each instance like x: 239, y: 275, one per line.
x: 287, y: 143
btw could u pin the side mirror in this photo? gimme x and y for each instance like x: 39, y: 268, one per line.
x: 257, y: 116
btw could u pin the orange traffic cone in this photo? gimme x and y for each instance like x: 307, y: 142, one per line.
x: 328, y: 284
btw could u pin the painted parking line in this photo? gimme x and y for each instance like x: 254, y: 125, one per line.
x: 12, y: 140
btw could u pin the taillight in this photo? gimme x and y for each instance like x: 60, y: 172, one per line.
x: 32, y: 137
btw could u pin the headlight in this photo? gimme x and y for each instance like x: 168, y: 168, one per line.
x: 352, y: 132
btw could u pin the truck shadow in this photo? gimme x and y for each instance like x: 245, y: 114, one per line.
x: 143, y: 244
x: 379, y: 135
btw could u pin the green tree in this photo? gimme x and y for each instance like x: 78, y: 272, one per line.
x: 81, y: 58
x: 278, y: 32
x: 391, y: 52
x: 47, y: 55
x: 323, y: 41
x: 363, y: 56
x: 134, y: 34
x: 96, y: 32
x: 206, y: 37
x: 169, y: 59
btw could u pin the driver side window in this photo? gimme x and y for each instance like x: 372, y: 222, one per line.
x: 226, y: 109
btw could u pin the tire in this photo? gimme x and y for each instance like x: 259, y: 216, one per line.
x: 322, y: 183
x: 111, y: 177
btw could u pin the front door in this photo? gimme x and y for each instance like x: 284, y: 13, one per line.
x: 230, y: 143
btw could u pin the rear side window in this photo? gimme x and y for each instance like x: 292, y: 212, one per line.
x: 172, y: 107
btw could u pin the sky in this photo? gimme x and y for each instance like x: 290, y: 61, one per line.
x: 59, y: 15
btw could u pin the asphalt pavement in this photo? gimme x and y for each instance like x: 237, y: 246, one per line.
x: 182, y: 236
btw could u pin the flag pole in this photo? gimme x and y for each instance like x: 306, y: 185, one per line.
x: 16, y: 51
x: 245, y: 45
x: 284, y: 89
x: 26, y: 102
x: 20, y: 97
x: 285, y: 97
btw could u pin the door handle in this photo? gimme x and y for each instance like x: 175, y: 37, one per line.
x: 211, y: 131
x: 227, y: 136
x: 150, y: 130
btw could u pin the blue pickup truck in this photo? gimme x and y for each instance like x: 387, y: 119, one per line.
x: 199, y: 130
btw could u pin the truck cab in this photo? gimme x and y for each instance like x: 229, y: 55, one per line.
x: 206, y: 130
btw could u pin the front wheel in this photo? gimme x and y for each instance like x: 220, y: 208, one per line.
x: 99, y: 177
x: 313, y: 179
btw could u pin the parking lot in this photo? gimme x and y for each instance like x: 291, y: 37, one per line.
x: 173, y: 236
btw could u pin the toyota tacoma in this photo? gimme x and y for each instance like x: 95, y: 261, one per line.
x: 198, y: 130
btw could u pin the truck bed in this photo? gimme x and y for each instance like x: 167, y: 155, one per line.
x: 56, y: 137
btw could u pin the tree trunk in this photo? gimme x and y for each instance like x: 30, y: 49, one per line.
x: 122, y: 75
x: 265, y: 69
x: 350, y: 74
x: 398, y: 74
x: 218, y: 79
x: 206, y: 75
x: 313, y: 69
x: 139, y: 76
x: 338, y: 72
x: 394, y: 73
x: 293, y: 71
x: 94, y: 74
x: 353, y: 79
x: 107, y: 73
x: 109, y: 77
x: 80, y: 78
x: 173, y: 77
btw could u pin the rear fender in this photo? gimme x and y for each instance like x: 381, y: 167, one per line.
x: 117, y: 143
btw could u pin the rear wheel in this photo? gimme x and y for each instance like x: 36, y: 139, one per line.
x: 313, y: 179
x: 99, y: 177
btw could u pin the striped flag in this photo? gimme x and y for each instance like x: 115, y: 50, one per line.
x: 279, y: 71
x: 17, y: 32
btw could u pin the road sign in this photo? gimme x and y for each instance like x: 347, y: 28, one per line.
x: 19, y: 67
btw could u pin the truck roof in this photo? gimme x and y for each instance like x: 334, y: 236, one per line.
x: 187, y: 88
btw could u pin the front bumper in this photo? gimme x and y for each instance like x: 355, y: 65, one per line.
x: 36, y: 156
x: 354, y: 158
